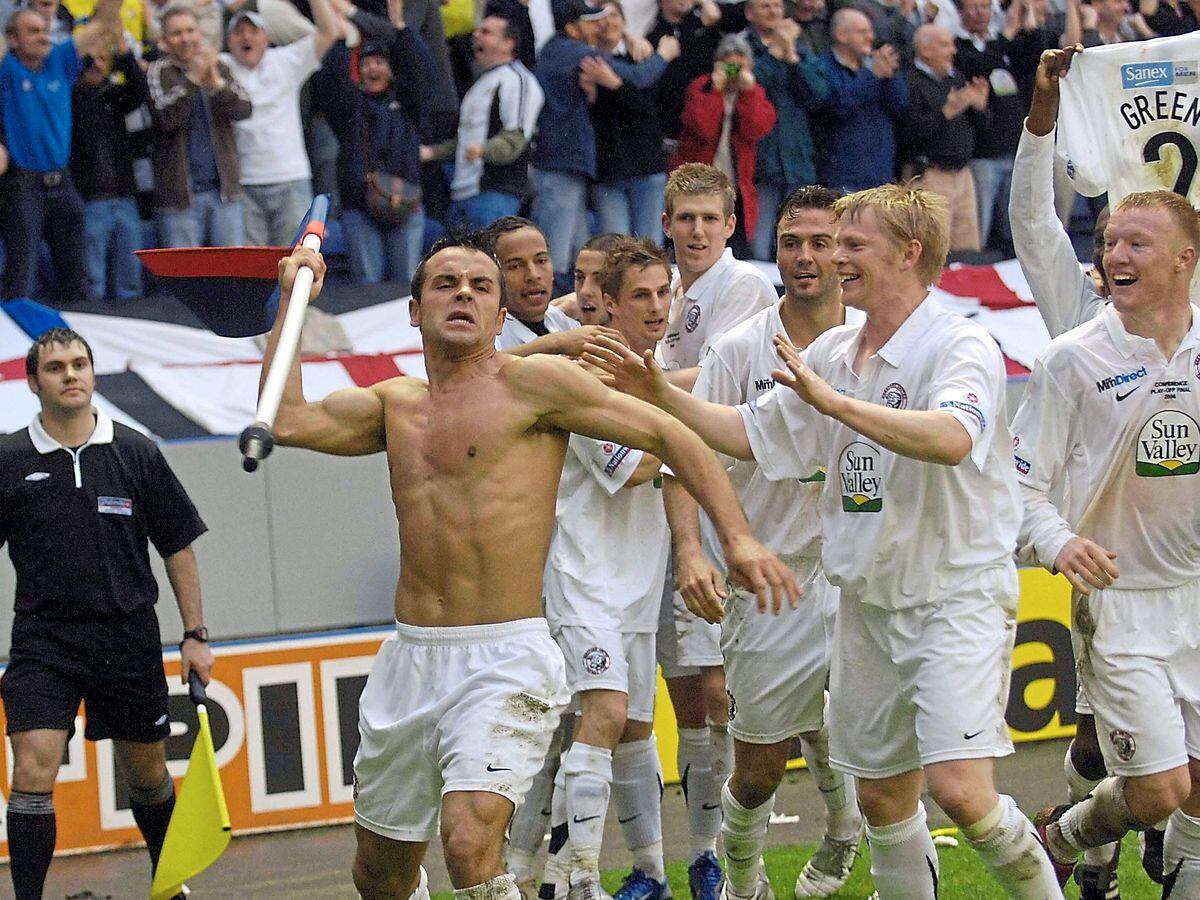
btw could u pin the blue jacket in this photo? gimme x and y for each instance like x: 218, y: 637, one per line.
x: 786, y: 156
x: 566, y: 141
x: 857, y: 134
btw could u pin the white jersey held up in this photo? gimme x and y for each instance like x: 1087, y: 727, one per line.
x: 1130, y: 118
x: 1106, y: 412
x: 900, y: 533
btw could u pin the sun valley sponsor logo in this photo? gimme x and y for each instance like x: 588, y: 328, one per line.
x: 1169, y: 444
x: 861, y: 478
x: 1119, y: 379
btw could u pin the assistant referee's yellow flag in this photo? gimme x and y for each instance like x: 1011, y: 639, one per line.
x: 199, y: 829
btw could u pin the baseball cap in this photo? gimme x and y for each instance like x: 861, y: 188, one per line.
x: 374, y: 48
x: 568, y: 11
x: 246, y: 15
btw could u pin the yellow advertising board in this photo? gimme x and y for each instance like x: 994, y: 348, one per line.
x: 284, y: 717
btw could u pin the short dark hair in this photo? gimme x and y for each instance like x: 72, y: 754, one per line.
x: 511, y: 31
x: 470, y: 240
x: 811, y: 196
x: 48, y: 338
x: 604, y: 243
x: 173, y: 10
x: 506, y: 225
x: 630, y: 253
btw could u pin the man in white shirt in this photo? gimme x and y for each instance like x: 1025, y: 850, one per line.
x: 713, y: 293
x: 918, y: 532
x: 603, y: 590
x: 775, y: 669
x: 275, y: 175
x: 1112, y: 410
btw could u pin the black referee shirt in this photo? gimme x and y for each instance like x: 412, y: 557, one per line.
x: 77, y: 522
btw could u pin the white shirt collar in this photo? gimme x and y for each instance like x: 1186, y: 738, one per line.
x: 708, y: 280
x: 43, y: 443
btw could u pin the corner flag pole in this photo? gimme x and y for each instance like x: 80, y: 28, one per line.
x: 257, y: 440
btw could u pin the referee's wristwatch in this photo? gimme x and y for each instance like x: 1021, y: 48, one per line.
x: 195, y: 634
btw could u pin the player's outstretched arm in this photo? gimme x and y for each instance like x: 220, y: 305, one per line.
x: 927, y: 435
x: 566, y: 397
x: 697, y: 579
x: 346, y: 423
x: 720, y: 426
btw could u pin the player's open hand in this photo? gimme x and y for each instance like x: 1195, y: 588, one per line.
x: 1087, y: 565
x: 754, y: 568
x: 702, y: 586
x: 575, y: 341
x: 290, y: 266
x: 640, y: 377
x: 812, y: 389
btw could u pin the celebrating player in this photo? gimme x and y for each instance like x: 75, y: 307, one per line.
x: 1112, y: 409
x: 775, y: 670
x: 461, y: 703
x: 906, y: 412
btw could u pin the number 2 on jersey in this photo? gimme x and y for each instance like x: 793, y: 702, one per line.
x: 1152, y: 153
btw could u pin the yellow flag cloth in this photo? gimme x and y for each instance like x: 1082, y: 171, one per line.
x: 199, y: 829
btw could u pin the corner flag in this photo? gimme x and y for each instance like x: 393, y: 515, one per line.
x: 232, y: 290
x: 199, y: 831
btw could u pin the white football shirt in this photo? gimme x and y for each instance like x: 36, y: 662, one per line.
x: 782, y: 514
x: 1105, y: 412
x: 1130, y: 118
x: 515, y: 333
x: 899, y: 533
x: 610, y: 543
x: 728, y: 293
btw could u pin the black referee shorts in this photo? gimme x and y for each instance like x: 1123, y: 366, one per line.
x: 113, y: 664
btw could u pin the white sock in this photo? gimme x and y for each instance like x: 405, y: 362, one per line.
x: 422, y: 889
x: 1181, y: 857
x: 842, y: 818
x: 1078, y: 787
x: 587, y: 775
x: 745, y: 832
x: 502, y: 887
x: 1101, y: 819
x: 904, y: 862
x: 722, y: 764
x: 637, y: 791
x: 1008, y: 845
x: 532, y: 818
x: 557, y: 871
x: 700, y: 789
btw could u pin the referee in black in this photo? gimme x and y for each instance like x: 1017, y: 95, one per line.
x: 79, y: 498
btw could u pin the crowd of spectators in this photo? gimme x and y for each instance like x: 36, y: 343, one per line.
x: 134, y: 123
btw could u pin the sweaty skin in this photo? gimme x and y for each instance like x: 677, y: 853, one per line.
x: 475, y: 454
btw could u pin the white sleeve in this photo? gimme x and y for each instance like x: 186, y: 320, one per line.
x: 299, y: 58
x: 1064, y: 294
x: 746, y: 296
x: 1041, y: 438
x: 1082, y: 138
x: 719, y: 384
x: 969, y: 384
x: 608, y: 462
x: 784, y: 434
x: 521, y: 102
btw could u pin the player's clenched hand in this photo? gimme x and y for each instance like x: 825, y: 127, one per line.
x: 812, y: 389
x: 1053, y: 65
x: 290, y: 266
x: 702, y: 586
x: 195, y: 656
x: 1087, y: 565
x: 631, y: 374
x: 754, y: 568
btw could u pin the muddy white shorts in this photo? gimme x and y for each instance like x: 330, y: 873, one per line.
x: 469, y: 708
x: 1138, y: 658
x: 776, y: 667
x: 685, y: 643
x: 922, y: 685
x: 600, y: 659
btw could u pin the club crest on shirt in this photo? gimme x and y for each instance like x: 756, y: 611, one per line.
x: 693, y: 320
x: 860, y: 477
x: 895, y: 396
x: 596, y: 660
x: 1123, y: 743
x: 1196, y: 366
x: 1168, y: 444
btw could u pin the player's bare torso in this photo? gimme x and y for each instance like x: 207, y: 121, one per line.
x: 474, y: 478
